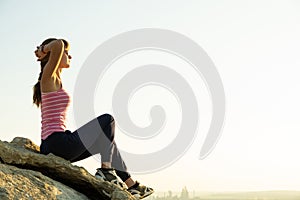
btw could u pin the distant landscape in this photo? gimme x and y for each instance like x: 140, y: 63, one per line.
x: 259, y: 195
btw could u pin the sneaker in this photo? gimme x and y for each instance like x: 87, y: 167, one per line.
x: 140, y: 191
x: 109, y: 174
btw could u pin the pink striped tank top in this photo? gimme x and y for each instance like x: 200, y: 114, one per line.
x: 54, y: 108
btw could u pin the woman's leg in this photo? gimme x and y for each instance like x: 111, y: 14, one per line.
x: 107, y: 124
x: 103, y: 142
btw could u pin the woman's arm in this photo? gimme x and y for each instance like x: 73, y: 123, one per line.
x: 56, y: 49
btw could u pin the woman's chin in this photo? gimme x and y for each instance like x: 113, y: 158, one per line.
x: 66, y: 66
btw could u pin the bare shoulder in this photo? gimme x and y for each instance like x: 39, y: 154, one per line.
x: 50, y: 85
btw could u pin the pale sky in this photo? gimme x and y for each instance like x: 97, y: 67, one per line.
x: 255, y: 46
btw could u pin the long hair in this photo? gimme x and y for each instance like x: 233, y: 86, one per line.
x: 37, y: 97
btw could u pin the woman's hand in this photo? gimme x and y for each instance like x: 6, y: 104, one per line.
x: 40, y: 53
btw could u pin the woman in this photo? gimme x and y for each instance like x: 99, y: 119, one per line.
x: 50, y: 95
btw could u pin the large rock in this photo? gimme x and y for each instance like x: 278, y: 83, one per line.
x: 16, y: 183
x: 23, y: 154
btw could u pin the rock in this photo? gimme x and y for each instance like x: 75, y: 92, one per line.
x: 25, y: 143
x: 24, y: 155
x: 16, y: 183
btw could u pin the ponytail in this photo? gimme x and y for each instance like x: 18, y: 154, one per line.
x: 37, y: 100
x: 37, y: 96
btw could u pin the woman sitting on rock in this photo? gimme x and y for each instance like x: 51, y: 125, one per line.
x: 86, y: 141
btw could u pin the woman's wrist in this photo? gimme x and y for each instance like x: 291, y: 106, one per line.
x: 43, y: 49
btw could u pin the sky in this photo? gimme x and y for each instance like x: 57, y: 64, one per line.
x: 254, y: 45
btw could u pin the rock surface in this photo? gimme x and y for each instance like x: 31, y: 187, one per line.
x: 27, y: 174
x: 16, y: 183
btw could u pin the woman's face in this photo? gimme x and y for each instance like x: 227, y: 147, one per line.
x: 65, y: 60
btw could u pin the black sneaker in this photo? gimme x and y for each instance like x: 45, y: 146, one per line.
x: 140, y: 191
x: 109, y: 174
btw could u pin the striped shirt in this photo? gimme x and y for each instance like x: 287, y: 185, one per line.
x: 54, y: 108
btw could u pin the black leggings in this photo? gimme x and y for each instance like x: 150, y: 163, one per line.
x: 87, y: 141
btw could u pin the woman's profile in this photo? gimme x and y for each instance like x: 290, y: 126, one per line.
x: 50, y: 95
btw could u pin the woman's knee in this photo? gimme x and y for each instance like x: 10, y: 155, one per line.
x: 107, y: 124
x: 106, y: 117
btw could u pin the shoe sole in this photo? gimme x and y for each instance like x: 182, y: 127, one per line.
x: 137, y: 196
